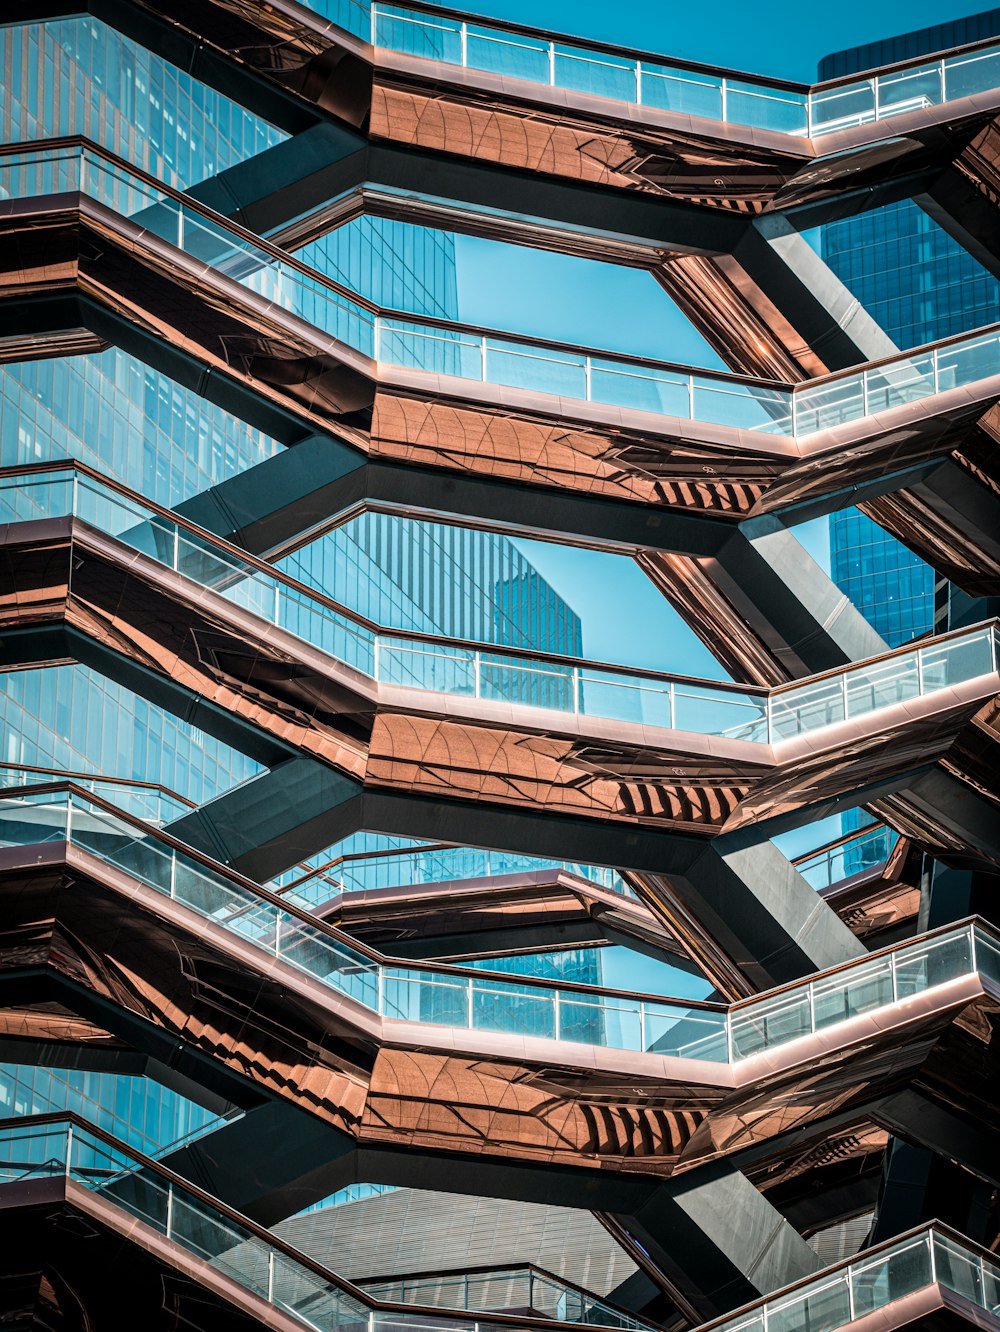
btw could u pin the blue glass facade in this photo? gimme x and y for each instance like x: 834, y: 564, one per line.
x: 919, y: 285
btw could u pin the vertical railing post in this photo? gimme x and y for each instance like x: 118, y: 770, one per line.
x: 893, y: 979
x: 864, y: 393
x: 944, y: 80
x: 587, y: 377
x: 638, y: 82
x: 936, y: 371
x: 173, y: 876
x: 672, y: 705
x: 477, y: 669
x: 69, y: 1150
x: 809, y: 116
x: 725, y: 99
x: 876, y: 90
x: 811, y: 995
x: 374, y: 19
x: 469, y: 1001
x: 730, y: 1047
x: 380, y: 990
x: 170, y: 1210
x: 377, y: 349
x: 849, y: 1274
x: 277, y: 605
x: 690, y: 397
x: 795, y: 414
x: 972, y: 949
x: 552, y: 64
x: 270, y: 1252
x: 180, y: 227
x: 576, y: 690
x: 464, y: 39
x: 482, y: 352
x: 642, y: 1024
x: 920, y: 673
x: 277, y: 935
x: 557, y: 1015
x: 177, y: 549
x: 930, y: 1241
x: 843, y: 693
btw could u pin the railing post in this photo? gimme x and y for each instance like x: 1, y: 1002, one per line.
x: 375, y: 658
x: 972, y: 949
x: 730, y: 1047
x: 812, y: 1007
x: 690, y: 397
x: 469, y: 1000
x: 69, y: 1150
x: 180, y: 226
x: 875, y: 88
x: 642, y: 1024
x: 944, y: 80
x: 920, y: 672
x: 809, y: 116
x: 374, y: 18
x: 552, y: 64
x: 576, y: 690
x: 464, y: 39
x: 769, y: 718
x: 638, y: 82
x: 177, y: 549
x: 850, y: 1294
x: 277, y: 935
x: 843, y: 693
x: 672, y: 705
x: 725, y: 99
x: 864, y: 393
x: 795, y: 414
x: 378, y: 318
x: 587, y: 376
x: 936, y: 371
x: 893, y: 980
x: 930, y: 1241
x: 170, y: 1210
x: 483, y: 355
x: 380, y: 990
x: 173, y: 876
x: 477, y: 667
x: 270, y: 1252
x: 277, y: 604
x: 557, y: 1015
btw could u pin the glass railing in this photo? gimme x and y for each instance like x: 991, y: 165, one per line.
x: 149, y: 803
x: 688, y: 90
x: 833, y: 864
x: 436, y: 665
x: 412, y: 867
x: 486, y: 1002
x: 481, y: 1002
x: 494, y: 358
x: 518, y: 1289
x: 867, y: 1284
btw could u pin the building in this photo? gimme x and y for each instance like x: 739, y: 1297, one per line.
x: 320, y: 839
x: 920, y: 285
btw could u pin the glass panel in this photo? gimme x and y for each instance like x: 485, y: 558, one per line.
x: 956, y: 1268
x: 933, y: 963
x: 418, y: 34
x: 770, y: 1022
x: 909, y: 89
x: 688, y: 92
x: 958, y: 659
x: 591, y: 72
x: 808, y: 706
x: 642, y: 388
x: 417, y: 996
x: 891, y: 1276
x: 813, y: 1310
x: 523, y: 1009
x: 543, y: 370
x: 968, y: 362
x: 509, y: 53
x: 841, y: 107
x: 883, y: 684
x: 978, y: 71
x: 765, y: 108
x: 854, y: 990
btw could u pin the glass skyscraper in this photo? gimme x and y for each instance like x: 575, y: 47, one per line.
x: 919, y: 285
